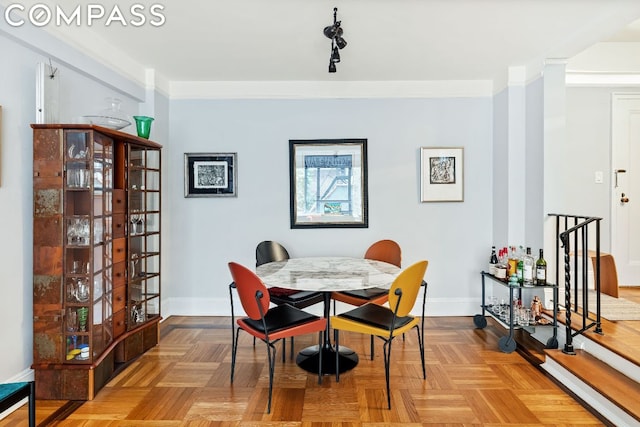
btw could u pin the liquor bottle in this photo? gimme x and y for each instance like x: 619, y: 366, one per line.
x: 493, y: 261
x: 528, y: 263
x: 512, y: 263
x: 520, y: 265
x: 520, y: 270
x: 541, y: 270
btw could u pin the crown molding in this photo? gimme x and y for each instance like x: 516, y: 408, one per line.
x: 336, y: 89
x: 591, y: 79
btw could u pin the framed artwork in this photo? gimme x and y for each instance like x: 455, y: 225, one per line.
x: 210, y: 174
x: 442, y: 174
x: 328, y: 183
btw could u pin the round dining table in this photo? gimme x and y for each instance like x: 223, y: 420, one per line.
x: 327, y: 275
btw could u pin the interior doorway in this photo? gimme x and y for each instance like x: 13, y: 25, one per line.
x: 625, y: 186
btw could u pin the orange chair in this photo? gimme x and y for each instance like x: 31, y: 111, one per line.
x: 382, y: 250
x: 269, y: 325
x: 388, y: 322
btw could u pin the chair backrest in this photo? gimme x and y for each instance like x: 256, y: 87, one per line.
x: 247, y: 284
x: 269, y: 251
x: 409, y: 281
x: 386, y: 251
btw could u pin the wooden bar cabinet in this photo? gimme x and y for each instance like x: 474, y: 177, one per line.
x: 96, y: 255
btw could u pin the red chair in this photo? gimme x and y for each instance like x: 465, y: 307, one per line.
x: 269, y: 325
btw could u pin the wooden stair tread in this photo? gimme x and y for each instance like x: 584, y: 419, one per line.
x: 625, y: 348
x: 615, y: 386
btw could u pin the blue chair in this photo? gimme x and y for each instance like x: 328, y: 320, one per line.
x: 12, y: 393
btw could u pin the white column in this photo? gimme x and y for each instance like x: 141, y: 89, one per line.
x: 555, y: 112
x: 516, y: 169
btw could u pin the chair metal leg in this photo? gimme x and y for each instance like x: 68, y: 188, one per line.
x: 336, y: 340
x: 372, y: 350
x: 234, y: 351
x: 32, y: 404
x: 292, y: 345
x: 232, y: 285
x: 421, y: 345
x: 320, y: 334
x: 421, y: 332
x: 272, y: 367
x: 387, y: 359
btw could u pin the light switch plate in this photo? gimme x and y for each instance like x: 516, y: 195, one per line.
x: 599, y: 177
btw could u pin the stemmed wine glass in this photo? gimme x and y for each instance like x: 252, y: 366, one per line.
x: 134, y: 262
x: 134, y: 218
x: 141, y: 222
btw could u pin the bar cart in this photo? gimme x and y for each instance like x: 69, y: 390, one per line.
x: 504, y: 313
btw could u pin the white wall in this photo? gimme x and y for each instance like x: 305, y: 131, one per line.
x: 207, y: 233
x: 589, y: 133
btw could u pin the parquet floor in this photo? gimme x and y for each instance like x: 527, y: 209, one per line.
x: 184, y: 381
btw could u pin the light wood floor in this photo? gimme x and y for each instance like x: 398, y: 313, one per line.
x: 184, y: 381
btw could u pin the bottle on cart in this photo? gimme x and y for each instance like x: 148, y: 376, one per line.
x: 493, y: 261
x: 541, y: 270
x: 520, y: 266
x: 528, y: 265
x: 512, y: 263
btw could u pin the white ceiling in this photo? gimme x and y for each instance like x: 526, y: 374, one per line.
x: 412, y: 40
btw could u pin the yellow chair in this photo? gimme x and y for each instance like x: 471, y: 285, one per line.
x: 388, y: 322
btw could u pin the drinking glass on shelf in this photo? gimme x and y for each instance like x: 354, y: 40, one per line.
x: 134, y: 262
x: 134, y: 218
x: 82, y: 291
x: 141, y: 222
x: 72, y: 320
x: 84, y: 231
x: 83, y: 312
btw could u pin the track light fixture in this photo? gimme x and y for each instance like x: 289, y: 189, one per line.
x: 334, y: 32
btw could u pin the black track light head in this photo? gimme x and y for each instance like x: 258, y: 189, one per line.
x: 335, y: 55
x: 334, y: 32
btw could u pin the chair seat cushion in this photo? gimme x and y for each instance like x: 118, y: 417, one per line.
x: 301, y: 299
x: 281, y: 292
x: 375, y: 315
x: 366, y: 294
x: 281, y: 317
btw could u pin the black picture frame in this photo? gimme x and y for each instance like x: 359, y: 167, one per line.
x: 210, y: 174
x: 328, y: 183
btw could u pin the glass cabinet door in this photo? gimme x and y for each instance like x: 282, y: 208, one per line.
x: 87, y: 256
x: 143, y: 185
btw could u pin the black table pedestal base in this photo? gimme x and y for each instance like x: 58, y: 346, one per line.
x: 307, y: 359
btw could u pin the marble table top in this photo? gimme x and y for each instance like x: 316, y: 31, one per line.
x: 328, y: 274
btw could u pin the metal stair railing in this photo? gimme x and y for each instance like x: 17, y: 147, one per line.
x: 573, y: 231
